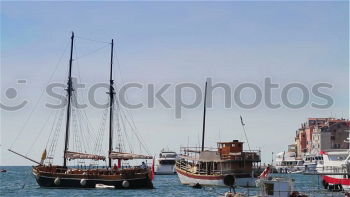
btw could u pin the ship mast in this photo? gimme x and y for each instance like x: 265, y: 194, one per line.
x: 69, y: 90
x: 205, y: 109
x: 111, y: 100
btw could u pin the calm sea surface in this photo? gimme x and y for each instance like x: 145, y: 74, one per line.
x: 18, y: 181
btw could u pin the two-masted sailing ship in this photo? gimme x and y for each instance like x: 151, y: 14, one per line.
x: 211, y: 166
x: 117, y: 175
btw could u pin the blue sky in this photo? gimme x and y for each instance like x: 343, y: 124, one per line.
x: 174, y: 42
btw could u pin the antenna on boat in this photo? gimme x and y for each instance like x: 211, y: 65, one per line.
x: 245, y: 133
x: 188, y: 140
x: 111, y: 100
x: 69, y: 90
x: 204, y: 113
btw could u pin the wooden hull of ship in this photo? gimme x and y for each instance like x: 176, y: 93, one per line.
x: 49, y: 180
x: 188, y: 178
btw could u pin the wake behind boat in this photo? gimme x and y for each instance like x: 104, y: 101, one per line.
x: 117, y: 175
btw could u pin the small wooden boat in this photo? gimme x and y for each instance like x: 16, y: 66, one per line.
x: 3, y: 170
x: 210, y: 166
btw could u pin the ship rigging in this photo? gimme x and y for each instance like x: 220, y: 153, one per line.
x: 119, y: 175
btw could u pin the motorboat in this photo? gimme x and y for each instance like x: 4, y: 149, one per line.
x: 165, y: 163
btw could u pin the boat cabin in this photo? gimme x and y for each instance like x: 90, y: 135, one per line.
x: 230, y: 147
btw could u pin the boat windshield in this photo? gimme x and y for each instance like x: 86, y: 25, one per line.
x: 337, y: 157
x: 168, y: 155
x: 167, y: 162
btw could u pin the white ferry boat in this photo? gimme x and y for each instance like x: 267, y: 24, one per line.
x: 286, y: 162
x: 336, y: 170
x: 312, y: 162
x: 165, y: 164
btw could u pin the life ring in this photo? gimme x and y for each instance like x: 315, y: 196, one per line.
x: 83, y: 182
x: 57, y: 181
x: 125, y: 184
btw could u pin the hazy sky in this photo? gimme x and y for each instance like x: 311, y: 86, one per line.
x: 159, y: 43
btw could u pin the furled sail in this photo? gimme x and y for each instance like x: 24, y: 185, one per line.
x: 126, y: 156
x: 43, y: 156
x: 76, y: 155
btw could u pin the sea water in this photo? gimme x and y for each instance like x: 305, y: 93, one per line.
x: 19, y: 181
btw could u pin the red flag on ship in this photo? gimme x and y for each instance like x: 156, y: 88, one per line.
x: 265, y: 173
x: 119, y: 163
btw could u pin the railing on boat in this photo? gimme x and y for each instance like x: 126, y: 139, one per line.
x: 196, y: 170
x: 332, y: 170
x: 247, y: 155
x: 184, y: 150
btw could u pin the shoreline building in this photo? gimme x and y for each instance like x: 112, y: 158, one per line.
x: 331, y: 136
x: 318, y: 134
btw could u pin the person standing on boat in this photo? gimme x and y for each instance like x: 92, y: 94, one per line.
x: 115, y: 167
x: 144, y: 165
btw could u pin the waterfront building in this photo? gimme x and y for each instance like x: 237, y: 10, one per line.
x: 320, y: 141
x: 321, y: 134
x: 301, y: 142
x: 318, y: 135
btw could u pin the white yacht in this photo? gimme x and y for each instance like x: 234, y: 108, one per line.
x: 312, y: 162
x: 286, y: 162
x: 165, y: 164
x: 336, y: 170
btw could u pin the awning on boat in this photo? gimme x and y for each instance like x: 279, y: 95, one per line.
x: 126, y: 156
x: 189, y: 158
x: 204, y: 156
x: 201, y: 159
x: 76, y: 155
